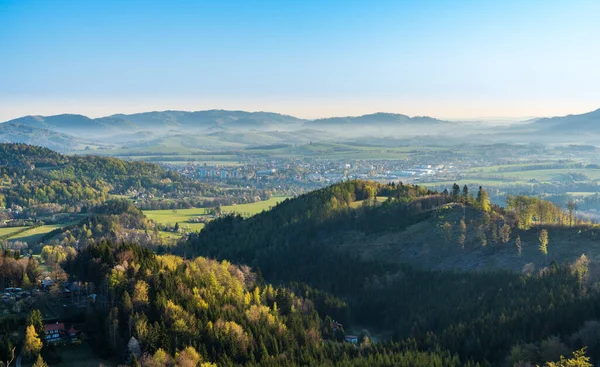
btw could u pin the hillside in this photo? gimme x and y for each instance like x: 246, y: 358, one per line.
x: 34, y: 176
x: 14, y: 132
x: 392, y: 260
x: 412, y: 226
x: 586, y: 123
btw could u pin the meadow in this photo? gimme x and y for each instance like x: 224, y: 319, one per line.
x: 183, y: 216
x: 35, y: 233
x: 7, y: 231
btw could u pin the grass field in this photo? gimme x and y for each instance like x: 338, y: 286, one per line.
x: 175, y: 216
x: 182, y: 216
x: 35, y: 234
x: 8, y: 230
x: 252, y: 208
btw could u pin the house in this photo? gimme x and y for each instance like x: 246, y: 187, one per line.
x: 73, y: 334
x: 351, y: 339
x: 54, y: 332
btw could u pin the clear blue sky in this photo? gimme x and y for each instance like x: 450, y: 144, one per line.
x: 308, y: 58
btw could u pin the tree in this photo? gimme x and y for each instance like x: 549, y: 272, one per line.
x: 571, y: 208
x: 36, y: 320
x: 188, y: 357
x: 33, y: 344
x: 505, y: 233
x: 543, y: 238
x: 483, y: 200
x: 447, y: 231
x: 455, y: 191
x: 579, y: 360
x: 463, y: 234
x: 519, y: 246
x: 134, y: 349
x: 140, y: 293
x: 465, y: 193
x: 126, y: 304
x: 482, y: 236
x: 40, y: 362
x: 134, y: 361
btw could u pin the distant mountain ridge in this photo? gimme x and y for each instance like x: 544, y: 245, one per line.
x: 225, y: 129
x: 73, y: 123
x: 376, y: 118
x: 582, y: 123
x: 208, y: 118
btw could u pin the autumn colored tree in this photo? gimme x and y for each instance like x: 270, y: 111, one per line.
x: 33, y: 344
x: 39, y: 362
x: 543, y: 238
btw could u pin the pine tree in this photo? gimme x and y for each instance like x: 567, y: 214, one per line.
x: 40, y: 362
x: 36, y: 320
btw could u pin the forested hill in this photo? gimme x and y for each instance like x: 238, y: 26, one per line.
x: 399, y: 224
x: 33, y: 175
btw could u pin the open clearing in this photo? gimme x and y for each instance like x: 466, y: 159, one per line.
x: 35, y: 234
x: 182, y: 216
x: 172, y: 216
x: 252, y: 208
x: 6, y: 231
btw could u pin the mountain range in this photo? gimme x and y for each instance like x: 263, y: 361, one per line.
x: 68, y: 132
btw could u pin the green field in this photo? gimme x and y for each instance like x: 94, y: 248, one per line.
x: 252, y: 208
x: 4, y: 231
x: 35, y: 234
x: 175, y: 216
x: 182, y: 216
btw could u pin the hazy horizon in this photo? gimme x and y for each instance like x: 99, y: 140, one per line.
x: 127, y: 110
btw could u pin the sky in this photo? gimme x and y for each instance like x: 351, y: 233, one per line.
x: 442, y: 58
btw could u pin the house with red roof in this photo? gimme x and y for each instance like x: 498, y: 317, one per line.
x: 54, y: 332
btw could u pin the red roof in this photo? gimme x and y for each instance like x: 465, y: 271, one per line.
x: 72, y: 330
x: 57, y: 326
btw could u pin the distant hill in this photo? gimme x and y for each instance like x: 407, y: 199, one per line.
x: 14, y: 132
x: 207, y: 119
x: 165, y: 120
x: 407, y: 228
x: 571, y: 124
x: 37, y: 176
x: 210, y: 119
x: 377, y: 119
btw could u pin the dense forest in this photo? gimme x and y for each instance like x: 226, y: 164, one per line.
x: 491, y: 316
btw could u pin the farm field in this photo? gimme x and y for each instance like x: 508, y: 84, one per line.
x: 182, y: 216
x: 545, y: 175
x: 5, y: 231
x: 252, y: 208
x: 36, y: 233
x: 170, y: 216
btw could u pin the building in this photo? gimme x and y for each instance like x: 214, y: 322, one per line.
x: 351, y: 339
x: 54, y: 332
x: 73, y: 334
